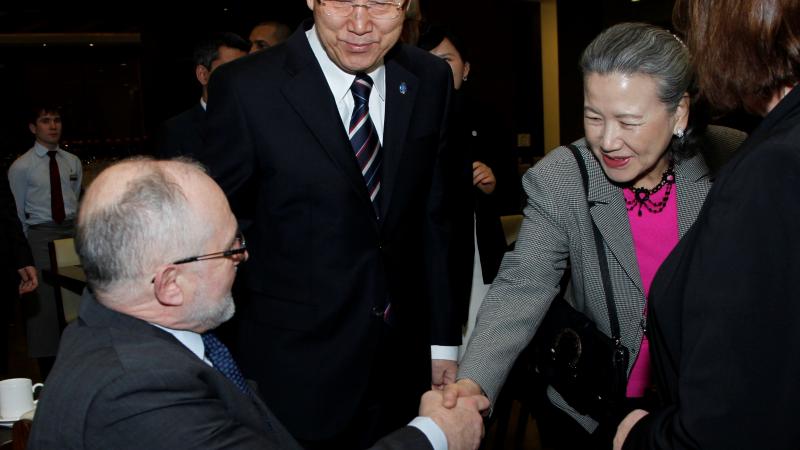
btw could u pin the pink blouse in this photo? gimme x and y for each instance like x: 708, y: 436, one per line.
x: 654, y: 237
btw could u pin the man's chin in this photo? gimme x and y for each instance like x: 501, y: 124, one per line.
x: 221, y: 314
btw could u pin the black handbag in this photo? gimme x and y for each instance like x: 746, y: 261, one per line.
x: 588, y: 368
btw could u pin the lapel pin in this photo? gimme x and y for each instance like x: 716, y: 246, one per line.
x: 403, y: 88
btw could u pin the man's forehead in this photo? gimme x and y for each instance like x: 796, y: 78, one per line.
x: 49, y: 115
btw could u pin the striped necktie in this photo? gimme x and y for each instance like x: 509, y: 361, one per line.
x: 364, y: 138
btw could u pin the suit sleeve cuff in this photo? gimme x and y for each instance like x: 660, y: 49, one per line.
x: 444, y: 352
x: 431, y: 431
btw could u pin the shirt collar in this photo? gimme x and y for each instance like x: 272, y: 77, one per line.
x: 340, y: 81
x: 41, y: 150
x: 203, y: 104
x: 190, y: 340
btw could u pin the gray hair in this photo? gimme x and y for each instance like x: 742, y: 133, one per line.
x: 151, y: 223
x: 639, y: 48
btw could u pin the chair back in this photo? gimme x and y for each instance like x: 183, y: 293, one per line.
x: 511, y: 225
x: 20, y: 433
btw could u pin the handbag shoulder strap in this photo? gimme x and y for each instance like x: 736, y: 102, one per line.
x: 601, y: 252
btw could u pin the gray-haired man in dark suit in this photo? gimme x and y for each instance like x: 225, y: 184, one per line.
x: 139, y: 369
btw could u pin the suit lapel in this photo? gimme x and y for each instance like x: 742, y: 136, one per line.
x: 610, y: 215
x: 308, y: 93
x: 401, y: 93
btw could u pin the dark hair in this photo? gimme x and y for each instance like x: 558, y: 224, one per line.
x: 431, y: 35
x: 282, y: 31
x: 39, y: 109
x: 640, y: 48
x: 207, y: 50
x: 746, y: 49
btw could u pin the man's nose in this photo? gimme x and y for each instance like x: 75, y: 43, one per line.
x: 360, y: 21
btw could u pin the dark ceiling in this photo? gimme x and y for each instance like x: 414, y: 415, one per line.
x: 137, y: 17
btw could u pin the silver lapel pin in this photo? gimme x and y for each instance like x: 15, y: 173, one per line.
x: 403, y: 88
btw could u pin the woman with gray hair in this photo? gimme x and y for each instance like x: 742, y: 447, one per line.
x: 646, y: 185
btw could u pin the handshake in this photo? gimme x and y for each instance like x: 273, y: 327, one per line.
x: 457, y: 410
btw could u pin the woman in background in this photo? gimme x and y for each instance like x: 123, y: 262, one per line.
x: 725, y: 309
x: 477, y: 145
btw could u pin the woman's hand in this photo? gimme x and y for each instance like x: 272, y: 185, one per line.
x: 483, y: 177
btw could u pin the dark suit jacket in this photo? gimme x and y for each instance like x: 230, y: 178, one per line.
x: 182, y: 135
x: 121, y: 383
x: 724, y: 312
x: 13, y: 246
x: 321, y: 265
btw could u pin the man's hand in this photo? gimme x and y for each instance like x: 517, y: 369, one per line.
x: 463, y: 425
x: 625, y: 427
x: 28, y: 281
x: 443, y: 373
x: 462, y: 388
x: 483, y: 177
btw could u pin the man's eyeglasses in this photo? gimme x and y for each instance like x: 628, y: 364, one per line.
x: 236, y: 252
x: 375, y: 8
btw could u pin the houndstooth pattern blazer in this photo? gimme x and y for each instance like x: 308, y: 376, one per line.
x: 557, y: 228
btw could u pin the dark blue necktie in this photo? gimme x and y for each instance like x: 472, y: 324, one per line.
x: 221, y: 358
x: 364, y: 138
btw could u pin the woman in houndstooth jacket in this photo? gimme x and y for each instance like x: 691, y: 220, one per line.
x: 647, y: 183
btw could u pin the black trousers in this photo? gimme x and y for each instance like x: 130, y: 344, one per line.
x: 392, y: 396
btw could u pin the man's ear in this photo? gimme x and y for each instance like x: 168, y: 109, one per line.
x: 165, y: 285
x: 202, y: 74
x: 32, y: 127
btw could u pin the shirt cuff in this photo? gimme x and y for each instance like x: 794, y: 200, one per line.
x: 431, y: 431
x: 444, y: 352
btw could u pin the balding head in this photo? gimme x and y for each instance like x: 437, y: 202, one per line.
x: 141, y: 213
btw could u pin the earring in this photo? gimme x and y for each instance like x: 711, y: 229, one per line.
x: 464, y: 78
x: 679, y: 133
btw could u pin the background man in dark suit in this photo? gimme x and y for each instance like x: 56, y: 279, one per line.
x: 136, y: 370
x: 17, y: 273
x: 183, y: 134
x: 347, y: 286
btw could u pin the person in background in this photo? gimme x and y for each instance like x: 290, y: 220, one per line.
x: 141, y: 368
x: 331, y: 148
x: 646, y: 185
x: 724, y: 310
x: 17, y: 272
x: 411, y: 23
x: 46, y: 183
x: 182, y: 135
x: 477, y: 147
x: 268, y: 34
